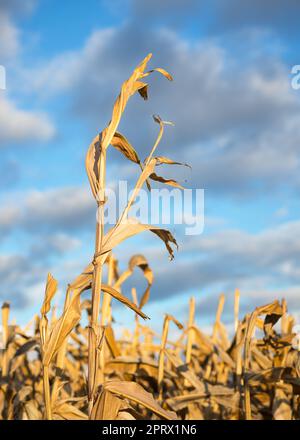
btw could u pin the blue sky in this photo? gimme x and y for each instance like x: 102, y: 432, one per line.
x: 236, y: 122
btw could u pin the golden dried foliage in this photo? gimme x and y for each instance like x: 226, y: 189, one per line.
x: 142, y: 375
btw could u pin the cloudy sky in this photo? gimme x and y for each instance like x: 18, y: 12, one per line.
x: 236, y: 123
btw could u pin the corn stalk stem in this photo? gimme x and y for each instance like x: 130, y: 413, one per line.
x: 236, y: 309
x: 5, y: 316
x: 218, y: 318
x: 96, y: 286
x: 190, y: 334
x: 250, y: 320
x: 136, y: 329
x: 161, y: 359
x: 105, y: 317
x: 46, y: 385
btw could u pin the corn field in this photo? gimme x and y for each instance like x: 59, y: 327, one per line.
x: 59, y: 368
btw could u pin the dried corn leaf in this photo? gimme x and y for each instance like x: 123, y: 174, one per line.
x: 110, y: 339
x: 162, y: 71
x: 282, y: 409
x: 185, y: 371
x: 165, y: 160
x: 106, y: 407
x: 51, y: 287
x: 176, y: 322
x: 131, y: 228
x: 26, y: 347
x: 117, y: 295
x: 62, y: 329
x: 123, y: 145
x: 137, y: 394
x: 65, y: 411
x: 171, y: 182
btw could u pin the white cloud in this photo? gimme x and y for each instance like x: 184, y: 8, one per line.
x: 211, y: 262
x: 10, y: 35
x: 61, y: 208
x: 63, y: 242
x: 68, y: 71
x: 239, y: 122
x: 9, y: 38
x: 57, y: 211
x: 9, y: 216
x: 53, y: 244
x: 222, y: 261
x: 17, y: 125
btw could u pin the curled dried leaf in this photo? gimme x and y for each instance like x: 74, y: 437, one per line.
x: 140, y: 261
x: 123, y: 145
x: 162, y: 71
x: 167, y: 238
x: 92, y: 164
x: 167, y: 161
x: 170, y: 182
x: 176, y: 322
x: 51, y: 287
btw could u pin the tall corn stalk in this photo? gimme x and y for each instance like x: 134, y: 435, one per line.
x: 5, y: 316
x: 96, y: 170
x: 96, y: 284
x: 53, y: 340
x: 51, y: 287
x: 162, y: 351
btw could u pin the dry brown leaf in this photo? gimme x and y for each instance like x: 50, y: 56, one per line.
x: 106, y: 407
x: 117, y: 295
x: 62, y: 329
x: 171, y: 182
x: 51, y: 287
x: 137, y: 394
x: 65, y: 411
x: 162, y: 71
x: 176, y: 322
x: 165, y: 160
x: 123, y: 145
x: 111, y: 341
x: 129, y: 229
